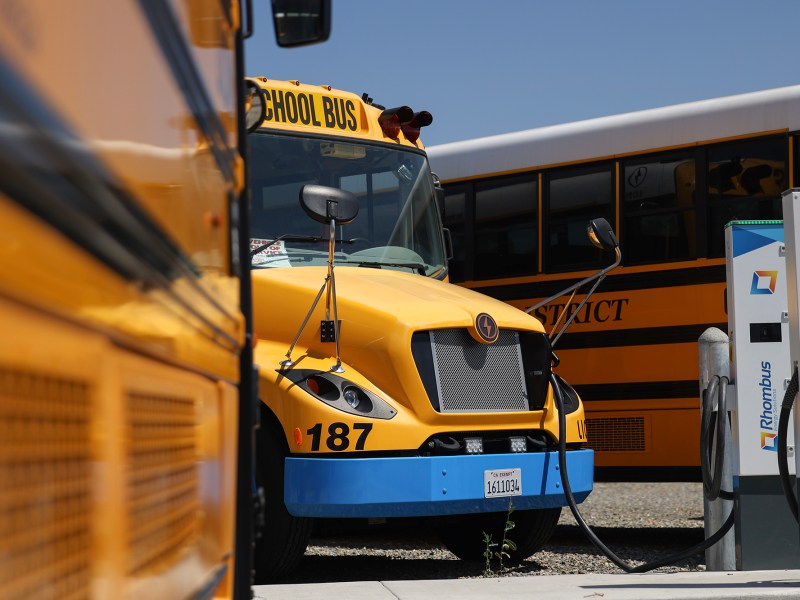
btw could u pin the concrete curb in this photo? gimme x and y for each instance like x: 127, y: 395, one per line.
x: 716, y: 585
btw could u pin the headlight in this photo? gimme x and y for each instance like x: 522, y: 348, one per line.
x: 351, y: 396
x: 341, y: 394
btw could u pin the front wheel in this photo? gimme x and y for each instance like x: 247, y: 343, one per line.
x: 283, y: 538
x: 463, y: 535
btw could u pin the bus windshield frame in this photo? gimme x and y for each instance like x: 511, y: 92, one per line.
x: 398, y: 226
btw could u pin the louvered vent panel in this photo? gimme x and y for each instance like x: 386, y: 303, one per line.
x: 616, y: 434
x: 44, y: 487
x: 163, y: 480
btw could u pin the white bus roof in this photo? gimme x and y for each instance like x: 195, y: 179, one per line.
x: 603, y: 137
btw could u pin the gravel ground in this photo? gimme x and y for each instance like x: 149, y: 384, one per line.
x: 640, y: 522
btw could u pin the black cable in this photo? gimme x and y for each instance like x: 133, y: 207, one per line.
x: 562, y: 463
x: 706, y: 418
x: 783, y: 432
x: 709, y: 421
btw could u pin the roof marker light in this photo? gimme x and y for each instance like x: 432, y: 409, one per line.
x: 392, y: 119
x: 411, y: 129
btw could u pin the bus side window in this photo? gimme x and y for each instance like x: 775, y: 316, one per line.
x: 455, y: 219
x: 658, y: 208
x: 506, y: 227
x: 745, y: 180
x: 576, y: 195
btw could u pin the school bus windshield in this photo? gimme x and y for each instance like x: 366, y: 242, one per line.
x: 398, y: 224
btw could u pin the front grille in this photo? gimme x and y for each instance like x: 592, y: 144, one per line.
x: 467, y: 376
x: 616, y: 434
x: 163, y: 480
x: 45, y: 501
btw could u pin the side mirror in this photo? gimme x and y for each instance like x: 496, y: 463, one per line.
x: 255, y: 106
x: 601, y: 234
x: 298, y: 23
x: 325, y: 204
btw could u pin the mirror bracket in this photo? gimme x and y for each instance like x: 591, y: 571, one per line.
x: 334, y: 207
x: 601, y: 235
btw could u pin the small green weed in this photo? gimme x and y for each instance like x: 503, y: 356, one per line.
x: 501, y: 550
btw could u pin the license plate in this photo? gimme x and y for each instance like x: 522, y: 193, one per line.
x: 501, y: 483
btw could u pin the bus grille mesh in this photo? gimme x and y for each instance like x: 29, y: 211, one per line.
x: 44, y: 487
x: 618, y: 434
x: 163, y: 480
x: 475, y: 377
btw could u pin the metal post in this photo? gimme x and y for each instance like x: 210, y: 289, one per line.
x: 713, y: 354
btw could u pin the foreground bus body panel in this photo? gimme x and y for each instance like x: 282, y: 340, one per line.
x: 118, y: 470
x: 157, y: 187
x: 428, y: 486
x: 119, y: 302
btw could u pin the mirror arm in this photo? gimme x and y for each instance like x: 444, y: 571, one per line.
x: 581, y: 283
x: 331, y: 294
x: 574, y: 314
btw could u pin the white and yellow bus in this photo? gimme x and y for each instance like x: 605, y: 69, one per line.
x: 386, y: 391
x: 124, y: 355
x: 669, y: 179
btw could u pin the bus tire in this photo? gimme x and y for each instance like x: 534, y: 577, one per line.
x: 463, y: 535
x: 283, y: 538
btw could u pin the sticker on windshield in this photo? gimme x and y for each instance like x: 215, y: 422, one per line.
x: 273, y: 255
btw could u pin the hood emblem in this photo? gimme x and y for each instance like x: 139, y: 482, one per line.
x: 486, y: 328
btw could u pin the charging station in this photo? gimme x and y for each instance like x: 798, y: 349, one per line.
x: 766, y: 533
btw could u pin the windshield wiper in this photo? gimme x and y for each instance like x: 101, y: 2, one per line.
x: 418, y: 267
x: 289, y: 237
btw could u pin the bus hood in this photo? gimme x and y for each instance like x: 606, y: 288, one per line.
x: 371, y: 300
x: 381, y: 312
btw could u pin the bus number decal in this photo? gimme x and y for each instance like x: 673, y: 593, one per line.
x: 339, y: 436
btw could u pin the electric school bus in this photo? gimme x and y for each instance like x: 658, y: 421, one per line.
x: 385, y: 390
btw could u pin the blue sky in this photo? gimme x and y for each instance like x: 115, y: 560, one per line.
x: 483, y: 68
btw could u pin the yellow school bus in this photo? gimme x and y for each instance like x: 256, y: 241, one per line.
x: 668, y: 179
x: 124, y: 354
x: 386, y: 391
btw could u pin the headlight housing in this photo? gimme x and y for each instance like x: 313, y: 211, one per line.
x: 341, y: 394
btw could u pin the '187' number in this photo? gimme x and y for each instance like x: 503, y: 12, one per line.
x: 339, y: 436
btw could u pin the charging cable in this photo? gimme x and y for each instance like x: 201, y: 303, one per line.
x: 710, y: 421
x: 714, y: 480
x: 783, y: 432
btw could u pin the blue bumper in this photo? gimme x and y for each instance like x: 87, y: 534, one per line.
x: 427, y: 486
